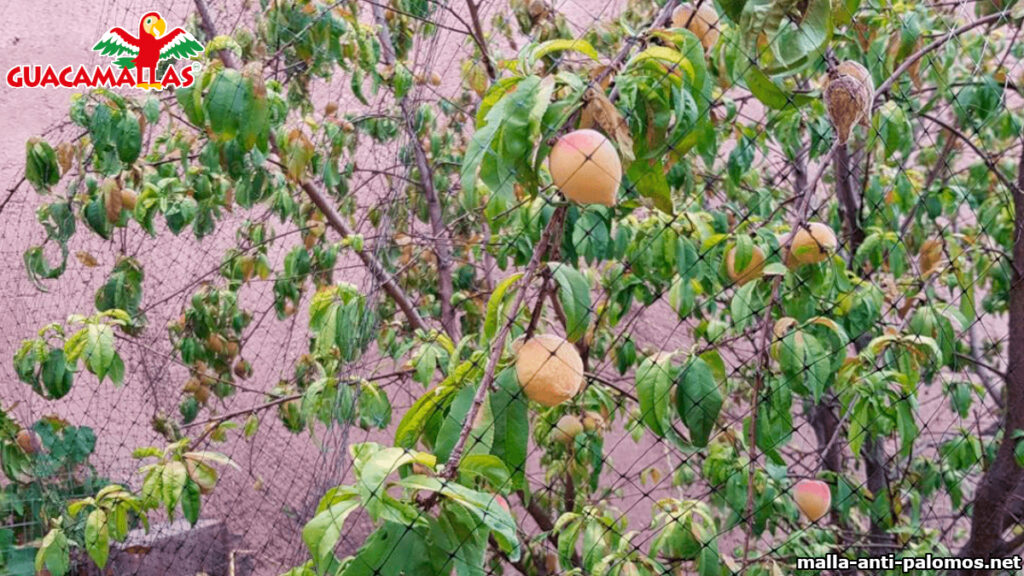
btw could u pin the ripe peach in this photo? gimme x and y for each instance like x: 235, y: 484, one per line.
x: 549, y: 369
x: 586, y: 168
x: 812, y: 244
x: 566, y: 430
x: 813, y: 497
x: 703, y: 23
x: 752, y: 271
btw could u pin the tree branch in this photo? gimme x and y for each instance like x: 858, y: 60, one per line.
x: 909, y: 61
x: 844, y: 190
x: 206, y: 21
x: 387, y: 282
x: 380, y: 274
x: 442, y: 246
x: 1003, y: 478
x: 553, y: 229
x: 478, y: 37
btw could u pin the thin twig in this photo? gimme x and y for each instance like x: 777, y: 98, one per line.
x: 377, y: 270
x: 909, y: 61
x: 442, y: 246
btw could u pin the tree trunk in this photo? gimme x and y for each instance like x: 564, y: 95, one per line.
x: 997, y: 487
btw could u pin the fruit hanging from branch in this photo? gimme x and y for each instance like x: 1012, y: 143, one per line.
x: 566, y: 430
x: 849, y: 93
x: 812, y: 244
x: 586, y: 168
x: 813, y: 497
x: 702, y: 21
x: 752, y: 271
x: 549, y: 369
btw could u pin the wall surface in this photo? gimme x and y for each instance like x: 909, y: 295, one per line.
x: 281, y: 476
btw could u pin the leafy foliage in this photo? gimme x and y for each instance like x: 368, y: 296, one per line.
x: 850, y: 344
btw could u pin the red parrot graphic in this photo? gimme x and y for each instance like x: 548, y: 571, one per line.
x: 151, y: 46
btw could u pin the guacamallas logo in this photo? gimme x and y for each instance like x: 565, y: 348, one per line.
x: 135, y: 64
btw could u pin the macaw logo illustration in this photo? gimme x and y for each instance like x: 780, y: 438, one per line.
x: 150, y: 47
x: 137, y: 58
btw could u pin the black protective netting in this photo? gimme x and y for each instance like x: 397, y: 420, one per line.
x: 347, y: 325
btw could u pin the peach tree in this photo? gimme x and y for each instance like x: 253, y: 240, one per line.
x: 823, y: 197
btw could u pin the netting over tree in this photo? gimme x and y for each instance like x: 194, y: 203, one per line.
x: 518, y: 286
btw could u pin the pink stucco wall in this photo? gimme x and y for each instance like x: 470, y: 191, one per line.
x: 282, y: 475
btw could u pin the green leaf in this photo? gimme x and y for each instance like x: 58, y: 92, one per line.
x: 892, y: 126
x: 99, y: 351
x: 373, y: 466
x: 374, y: 407
x: 97, y: 537
x: 494, y: 305
x: 190, y: 501
x: 745, y: 305
x: 682, y: 296
x: 486, y: 466
x: 410, y: 428
x: 397, y: 549
x: 732, y: 8
x: 654, y: 391
x: 560, y: 45
x: 765, y: 89
x: 41, y: 169
x: 796, y: 42
x: 574, y: 295
x: 465, y: 538
x: 173, y: 478
x: 648, y: 178
x: 511, y: 425
x: 129, y: 139
x: 485, y: 507
x: 56, y: 375
x: 53, y: 553
x: 190, y: 100
x: 322, y: 533
x: 673, y: 58
x: 226, y: 104
x: 252, y: 424
x: 743, y: 252
x: 708, y: 561
x: 698, y: 400
x: 501, y: 151
x: 482, y: 434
